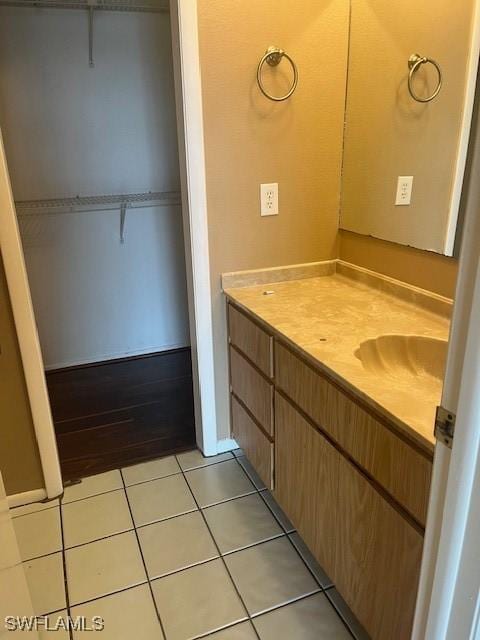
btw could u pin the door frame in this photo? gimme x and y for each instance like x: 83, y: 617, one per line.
x: 189, y: 105
x: 448, y: 602
x: 186, y: 59
x: 28, y: 342
x: 463, y: 143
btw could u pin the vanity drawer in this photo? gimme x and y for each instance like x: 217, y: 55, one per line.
x: 253, y: 390
x: 257, y: 447
x: 398, y: 466
x: 253, y: 341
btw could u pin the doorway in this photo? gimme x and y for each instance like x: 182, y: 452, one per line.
x: 88, y: 115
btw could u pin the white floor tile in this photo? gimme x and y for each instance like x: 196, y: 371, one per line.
x: 176, y: 544
x: 129, y: 615
x: 160, y: 499
x: 150, y: 470
x: 93, y: 485
x: 277, y: 567
x: 219, y: 482
x: 38, y: 533
x: 104, y: 566
x: 312, y: 618
x: 195, y: 459
x: 95, y: 517
x: 197, y: 601
x: 46, y: 583
x: 241, y: 523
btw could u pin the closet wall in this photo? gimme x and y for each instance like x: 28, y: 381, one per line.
x: 74, y: 130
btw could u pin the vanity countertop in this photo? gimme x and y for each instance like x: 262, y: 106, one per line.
x: 327, y: 317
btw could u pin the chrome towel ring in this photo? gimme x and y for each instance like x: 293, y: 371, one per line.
x: 273, y: 57
x: 414, y: 63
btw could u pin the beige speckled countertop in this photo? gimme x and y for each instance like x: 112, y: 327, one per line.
x: 326, y: 318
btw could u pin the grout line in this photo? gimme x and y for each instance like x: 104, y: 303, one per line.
x: 305, y: 563
x: 256, y: 544
x: 342, y: 618
x: 110, y: 593
x: 222, y: 559
x: 65, y: 578
x: 22, y: 515
x: 45, y: 555
x: 275, y: 515
x: 293, y: 600
x: 250, y: 475
x: 94, y: 495
x: 135, y: 484
x: 209, y: 634
x: 240, y: 495
x: 111, y: 535
x: 221, y: 555
x: 144, y: 563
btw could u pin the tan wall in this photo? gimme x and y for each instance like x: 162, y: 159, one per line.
x: 389, y: 134
x: 250, y: 140
x: 19, y: 457
x: 423, y: 269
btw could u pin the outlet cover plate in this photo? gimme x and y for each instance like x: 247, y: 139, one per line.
x: 269, y: 199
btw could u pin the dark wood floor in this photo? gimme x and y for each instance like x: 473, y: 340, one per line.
x: 108, y: 415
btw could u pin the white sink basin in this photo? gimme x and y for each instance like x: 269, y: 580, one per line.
x: 405, y: 357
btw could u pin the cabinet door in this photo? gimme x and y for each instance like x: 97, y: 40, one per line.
x: 306, y: 481
x: 377, y: 558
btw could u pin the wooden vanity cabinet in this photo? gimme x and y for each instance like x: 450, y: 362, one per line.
x: 369, y: 550
x: 378, y: 557
x: 306, y: 481
x: 251, y: 340
x: 400, y: 467
x: 251, y: 391
x: 256, y: 446
x: 355, y: 489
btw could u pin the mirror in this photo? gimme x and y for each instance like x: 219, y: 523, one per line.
x: 390, y: 136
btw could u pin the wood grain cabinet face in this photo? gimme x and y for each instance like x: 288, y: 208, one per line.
x: 252, y: 389
x: 257, y: 448
x: 306, y: 481
x: 403, y: 470
x: 253, y: 341
x: 378, y: 557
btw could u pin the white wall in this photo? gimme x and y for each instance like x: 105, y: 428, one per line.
x: 72, y: 130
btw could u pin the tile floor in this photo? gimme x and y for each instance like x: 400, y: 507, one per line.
x: 178, y: 548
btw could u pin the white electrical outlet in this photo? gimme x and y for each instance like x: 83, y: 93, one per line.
x: 404, y: 190
x: 269, y: 199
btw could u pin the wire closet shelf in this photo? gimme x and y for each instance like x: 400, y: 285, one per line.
x: 156, y: 6
x: 89, y: 204
x: 91, y: 6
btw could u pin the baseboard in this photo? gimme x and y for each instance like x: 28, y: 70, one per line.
x: 27, y: 497
x: 227, y: 444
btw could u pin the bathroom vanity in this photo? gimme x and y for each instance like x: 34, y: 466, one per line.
x: 334, y: 383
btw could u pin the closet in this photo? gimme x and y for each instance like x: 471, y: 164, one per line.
x: 88, y: 118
